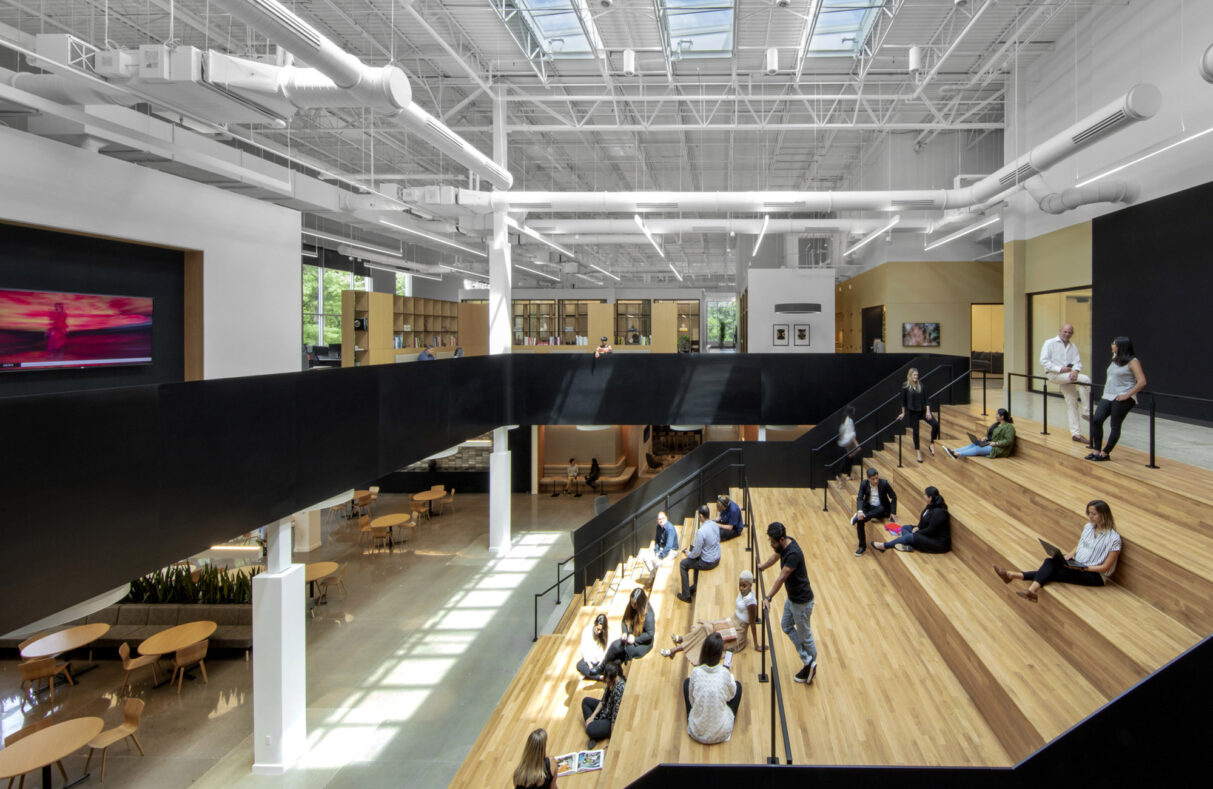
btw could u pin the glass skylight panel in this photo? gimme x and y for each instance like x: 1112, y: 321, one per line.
x: 699, y: 28
x: 843, y: 27
x: 556, y: 27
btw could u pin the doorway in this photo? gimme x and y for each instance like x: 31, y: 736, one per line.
x: 872, y: 327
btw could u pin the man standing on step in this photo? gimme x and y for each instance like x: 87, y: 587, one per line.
x: 876, y: 499
x: 1060, y: 359
x: 799, y: 606
x: 704, y: 553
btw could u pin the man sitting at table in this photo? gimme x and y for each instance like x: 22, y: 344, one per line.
x: 427, y: 354
x: 728, y: 517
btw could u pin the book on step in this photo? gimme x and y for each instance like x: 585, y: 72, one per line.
x: 579, y: 762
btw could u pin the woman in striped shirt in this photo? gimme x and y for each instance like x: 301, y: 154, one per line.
x: 1090, y: 564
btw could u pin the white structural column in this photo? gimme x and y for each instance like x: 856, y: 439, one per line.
x: 762, y: 432
x: 500, y: 340
x: 279, y: 657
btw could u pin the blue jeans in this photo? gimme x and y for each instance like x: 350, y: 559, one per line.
x: 795, y: 623
x: 906, y: 537
x: 973, y: 449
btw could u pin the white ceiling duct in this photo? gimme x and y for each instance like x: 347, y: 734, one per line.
x: 1141, y: 102
x: 66, y: 91
x: 1076, y: 196
x: 588, y: 228
x: 384, y: 87
x: 1206, y: 64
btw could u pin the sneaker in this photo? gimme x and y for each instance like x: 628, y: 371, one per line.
x: 950, y: 453
x: 853, y: 517
x: 804, y: 673
x: 860, y: 551
x: 808, y: 680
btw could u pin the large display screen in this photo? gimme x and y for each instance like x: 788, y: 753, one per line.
x: 42, y: 330
x: 919, y: 334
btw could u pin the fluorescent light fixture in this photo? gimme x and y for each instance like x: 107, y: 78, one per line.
x: 643, y: 229
x: 352, y: 243
x: 964, y: 231
x: 1149, y: 154
x: 676, y: 274
x: 875, y: 234
x: 535, y: 234
x: 463, y: 271
x: 590, y: 280
x: 436, y: 239
x: 394, y: 263
x: 249, y: 548
x: 395, y: 270
x: 536, y: 273
x: 311, y: 253
x: 766, y: 221
x: 604, y: 271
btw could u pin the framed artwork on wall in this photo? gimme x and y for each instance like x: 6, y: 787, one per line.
x: 919, y: 335
x: 800, y: 334
x: 780, y: 336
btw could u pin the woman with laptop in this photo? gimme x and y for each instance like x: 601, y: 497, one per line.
x: 998, y: 443
x: 1090, y: 564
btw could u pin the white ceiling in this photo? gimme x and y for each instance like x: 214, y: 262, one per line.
x: 692, y: 124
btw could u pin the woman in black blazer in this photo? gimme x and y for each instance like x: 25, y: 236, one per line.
x: 638, y: 629
x: 933, y: 534
x: 915, y: 407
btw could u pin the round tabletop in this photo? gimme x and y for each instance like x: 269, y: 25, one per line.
x: 65, y: 640
x: 395, y: 519
x: 429, y: 495
x: 360, y: 493
x: 317, y: 570
x: 178, y: 637
x: 48, y: 746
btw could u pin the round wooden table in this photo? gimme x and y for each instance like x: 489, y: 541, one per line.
x: 392, y: 521
x: 315, y: 571
x: 43, y: 748
x: 65, y: 640
x: 429, y: 496
x: 178, y: 637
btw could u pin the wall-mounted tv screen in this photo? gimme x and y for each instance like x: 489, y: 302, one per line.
x: 919, y: 334
x: 41, y: 330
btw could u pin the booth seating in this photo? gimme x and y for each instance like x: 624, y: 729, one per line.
x: 614, y: 476
x: 133, y: 622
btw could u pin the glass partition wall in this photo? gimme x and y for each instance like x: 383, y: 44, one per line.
x: 1048, y: 312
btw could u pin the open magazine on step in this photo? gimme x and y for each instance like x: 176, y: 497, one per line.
x: 579, y: 762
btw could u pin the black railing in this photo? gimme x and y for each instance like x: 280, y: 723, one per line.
x: 538, y: 595
x: 1151, y: 406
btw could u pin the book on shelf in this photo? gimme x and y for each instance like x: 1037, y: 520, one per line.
x: 578, y: 762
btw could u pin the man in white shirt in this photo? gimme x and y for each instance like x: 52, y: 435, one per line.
x: 1059, y: 358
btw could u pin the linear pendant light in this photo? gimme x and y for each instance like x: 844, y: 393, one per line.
x: 1166, y: 146
x: 395, y: 270
x: 875, y: 234
x: 536, y: 273
x: 351, y: 242
x: 535, y: 234
x: 435, y: 239
x: 766, y: 221
x: 964, y: 231
x: 644, y: 229
x: 464, y: 271
x: 604, y: 271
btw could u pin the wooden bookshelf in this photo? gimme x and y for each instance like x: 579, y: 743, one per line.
x: 633, y: 320
x: 394, y: 324
x: 534, y: 322
x: 679, y: 317
x: 420, y: 322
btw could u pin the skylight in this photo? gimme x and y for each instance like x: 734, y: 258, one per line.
x: 556, y: 28
x: 843, y: 27
x: 698, y: 28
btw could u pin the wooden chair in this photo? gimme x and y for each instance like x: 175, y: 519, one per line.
x: 338, y: 510
x: 27, y: 731
x: 132, y: 709
x: 337, y: 579
x: 420, y: 509
x: 364, y: 527
x: 447, y: 499
x: 439, y: 488
x: 374, y: 489
x: 130, y: 664
x: 38, y: 669
x: 381, y: 534
x: 362, y: 504
x: 184, y: 658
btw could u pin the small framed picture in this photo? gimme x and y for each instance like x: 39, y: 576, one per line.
x: 780, y: 336
x: 800, y: 334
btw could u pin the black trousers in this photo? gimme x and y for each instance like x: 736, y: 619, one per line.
x: 1053, y: 571
x: 730, y: 534
x: 622, y: 653
x: 695, y: 564
x: 588, y: 671
x: 914, y: 417
x: 1109, y: 408
x: 595, y: 729
x: 733, y: 703
x: 879, y: 511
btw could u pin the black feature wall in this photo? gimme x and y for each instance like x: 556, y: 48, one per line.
x: 1152, y: 272
x: 35, y: 259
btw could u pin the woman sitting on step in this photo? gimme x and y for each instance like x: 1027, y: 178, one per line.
x: 732, y: 630
x: 999, y: 442
x: 600, y: 714
x: 593, y: 648
x: 933, y: 534
x: 712, y: 696
x: 638, y: 630
x: 535, y: 770
x: 1090, y: 564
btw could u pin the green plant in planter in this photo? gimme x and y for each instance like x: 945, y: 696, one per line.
x: 177, y: 585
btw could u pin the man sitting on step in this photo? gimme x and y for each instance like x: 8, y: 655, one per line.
x: 704, y: 553
x: 876, y: 499
x: 728, y: 516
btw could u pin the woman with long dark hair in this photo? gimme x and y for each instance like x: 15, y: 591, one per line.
x: 638, y: 629
x: 1125, y: 378
x: 712, y: 696
x: 600, y: 714
x: 933, y: 534
x: 999, y: 443
x: 1090, y: 564
x: 916, y: 408
x: 593, y: 648
x: 535, y: 770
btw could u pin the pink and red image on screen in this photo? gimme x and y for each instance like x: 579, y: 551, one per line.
x: 42, y: 330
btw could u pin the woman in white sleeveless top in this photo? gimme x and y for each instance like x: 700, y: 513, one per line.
x: 1125, y: 379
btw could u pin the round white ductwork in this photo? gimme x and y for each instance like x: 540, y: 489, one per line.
x: 915, y: 65
x: 1206, y: 64
x: 629, y: 62
x: 772, y: 61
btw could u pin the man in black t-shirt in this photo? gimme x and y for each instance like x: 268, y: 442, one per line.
x: 799, y: 606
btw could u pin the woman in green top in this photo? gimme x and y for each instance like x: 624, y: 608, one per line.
x: 999, y: 443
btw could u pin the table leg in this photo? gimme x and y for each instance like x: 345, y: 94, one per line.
x: 46, y: 777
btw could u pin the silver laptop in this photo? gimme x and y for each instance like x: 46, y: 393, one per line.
x: 1055, y: 552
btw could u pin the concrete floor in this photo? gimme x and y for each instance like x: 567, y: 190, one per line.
x: 401, y: 675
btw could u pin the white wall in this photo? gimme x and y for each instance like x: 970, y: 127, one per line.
x: 251, y: 263
x: 768, y: 287
x: 1109, y: 50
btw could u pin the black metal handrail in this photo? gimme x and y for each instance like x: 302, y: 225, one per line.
x: 538, y: 595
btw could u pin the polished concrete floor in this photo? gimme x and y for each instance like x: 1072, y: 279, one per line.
x: 402, y: 674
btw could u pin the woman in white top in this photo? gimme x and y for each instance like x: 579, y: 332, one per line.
x: 593, y: 648
x: 712, y: 696
x: 846, y: 440
x: 733, y: 630
x: 1090, y: 564
x: 1125, y: 378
